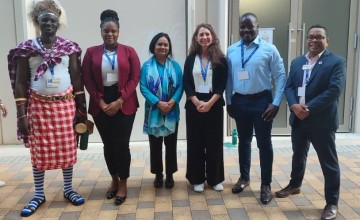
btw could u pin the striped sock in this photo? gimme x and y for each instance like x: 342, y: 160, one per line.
x: 68, y: 174
x: 69, y: 194
x: 39, y: 196
x: 39, y: 183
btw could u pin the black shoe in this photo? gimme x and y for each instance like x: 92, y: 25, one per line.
x: 158, y: 182
x: 169, y: 181
x: 287, y: 191
x: 265, y: 194
x: 240, y: 185
x: 329, y: 212
x: 119, y: 200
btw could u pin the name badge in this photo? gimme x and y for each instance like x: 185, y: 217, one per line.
x: 301, y: 91
x: 204, y: 89
x: 112, y: 77
x: 52, y: 82
x: 243, y: 75
x: 307, y: 67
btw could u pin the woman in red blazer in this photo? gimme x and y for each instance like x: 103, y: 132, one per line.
x: 111, y: 72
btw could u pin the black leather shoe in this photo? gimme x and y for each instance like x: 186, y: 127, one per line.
x: 240, y: 185
x: 158, y: 182
x: 265, y: 194
x: 329, y: 212
x: 287, y: 191
x: 119, y: 200
x: 169, y: 182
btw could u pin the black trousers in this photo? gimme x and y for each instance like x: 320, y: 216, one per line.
x: 323, y: 141
x: 204, y: 132
x: 156, y: 162
x: 115, y: 132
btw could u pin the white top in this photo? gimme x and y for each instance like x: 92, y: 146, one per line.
x: 198, y: 78
x: 61, y: 75
x: 109, y: 76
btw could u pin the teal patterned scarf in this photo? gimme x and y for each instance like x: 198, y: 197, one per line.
x: 163, y: 86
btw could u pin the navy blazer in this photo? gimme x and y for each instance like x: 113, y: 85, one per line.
x: 322, y: 93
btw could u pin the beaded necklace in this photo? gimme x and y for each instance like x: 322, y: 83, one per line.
x: 44, y: 48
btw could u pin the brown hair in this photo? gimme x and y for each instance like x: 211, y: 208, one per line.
x: 213, y: 51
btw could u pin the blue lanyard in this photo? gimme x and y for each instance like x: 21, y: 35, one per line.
x: 204, y: 70
x: 51, y: 68
x: 307, y: 75
x: 111, y: 61
x: 242, y: 55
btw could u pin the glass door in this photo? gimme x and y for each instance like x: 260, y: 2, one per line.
x: 337, y: 17
x: 289, y: 21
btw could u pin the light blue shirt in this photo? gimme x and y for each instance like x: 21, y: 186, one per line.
x: 265, y: 64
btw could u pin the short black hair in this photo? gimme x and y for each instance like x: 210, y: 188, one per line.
x: 156, y: 38
x: 109, y: 15
x: 248, y: 14
x: 318, y: 26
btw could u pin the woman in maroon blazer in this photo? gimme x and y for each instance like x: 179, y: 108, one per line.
x: 111, y: 72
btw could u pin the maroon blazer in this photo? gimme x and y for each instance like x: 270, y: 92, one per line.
x: 129, y: 76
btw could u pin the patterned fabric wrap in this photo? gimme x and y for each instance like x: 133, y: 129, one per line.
x: 52, y: 137
x: 163, y: 86
x: 61, y: 47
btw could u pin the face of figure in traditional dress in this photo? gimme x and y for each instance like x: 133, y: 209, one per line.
x: 162, y: 48
x: 204, y: 37
x: 48, y: 23
x: 110, y: 33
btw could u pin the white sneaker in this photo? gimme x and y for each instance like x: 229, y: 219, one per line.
x: 219, y: 187
x: 199, y: 187
x: 2, y: 184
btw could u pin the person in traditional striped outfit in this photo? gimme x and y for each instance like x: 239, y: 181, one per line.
x: 45, y: 77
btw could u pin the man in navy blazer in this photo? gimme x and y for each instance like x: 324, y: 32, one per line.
x: 312, y: 90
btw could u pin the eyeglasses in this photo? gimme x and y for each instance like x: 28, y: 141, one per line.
x: 317, y: 37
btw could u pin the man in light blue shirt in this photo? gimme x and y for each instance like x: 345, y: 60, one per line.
x: 253, y: 63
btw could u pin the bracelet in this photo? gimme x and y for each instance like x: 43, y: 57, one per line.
x: 21, y: 117
x: 79, y: 92
x: 20, y: 99
x: 81, y: 113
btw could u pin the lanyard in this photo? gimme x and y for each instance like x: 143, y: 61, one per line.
x: 307, y: 75
x: 242, y: 55
x: 204, y: 70
x: 51, y: 68
x: 111, y: 61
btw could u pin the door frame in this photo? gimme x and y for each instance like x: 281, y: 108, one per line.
x: 296, y: 36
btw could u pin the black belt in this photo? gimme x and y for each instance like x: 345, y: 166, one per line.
x: 255, y: 95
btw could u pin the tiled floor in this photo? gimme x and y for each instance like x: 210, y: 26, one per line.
x: 91, y: 179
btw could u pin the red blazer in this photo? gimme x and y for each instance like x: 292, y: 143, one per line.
x: 129, y: 76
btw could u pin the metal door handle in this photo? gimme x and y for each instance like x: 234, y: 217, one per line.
x: 302, y: 38
x: 290, y: 29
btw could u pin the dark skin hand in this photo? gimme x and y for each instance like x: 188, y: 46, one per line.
x: 270, y: 112
x: 112, y: 108
x: 301, y: 111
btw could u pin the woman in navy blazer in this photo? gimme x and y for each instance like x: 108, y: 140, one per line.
x: 111, y: 72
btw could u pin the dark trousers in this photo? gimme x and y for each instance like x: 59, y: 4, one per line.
x: 156, y: 162
x: 248, y: 116
x: 115, y: 132
x: 323, y: 141
x: 204, y: 132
